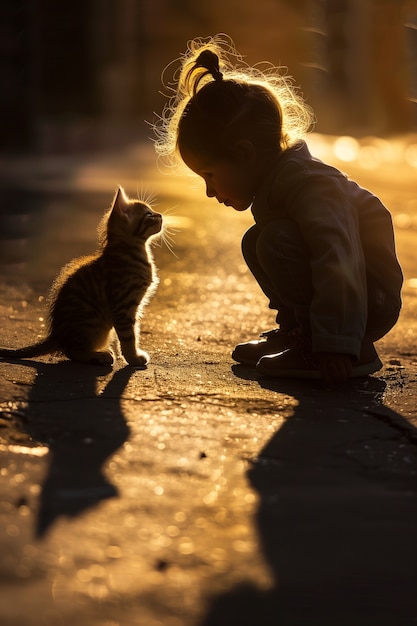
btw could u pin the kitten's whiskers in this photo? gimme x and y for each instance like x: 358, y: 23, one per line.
x: 168, y: 230
x: 145, y: 195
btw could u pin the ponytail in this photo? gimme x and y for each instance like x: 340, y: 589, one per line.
x: 206, y: 64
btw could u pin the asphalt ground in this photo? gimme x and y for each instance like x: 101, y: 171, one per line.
x: 196, y: 492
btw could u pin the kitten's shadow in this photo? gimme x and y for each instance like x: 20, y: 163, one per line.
x: 82, y: 429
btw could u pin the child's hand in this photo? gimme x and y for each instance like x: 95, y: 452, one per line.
x: 335, y: 368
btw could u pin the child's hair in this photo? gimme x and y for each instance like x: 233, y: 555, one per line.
x: 220, y: 100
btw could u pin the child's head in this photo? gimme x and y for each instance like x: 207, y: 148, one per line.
x: 228, y: 120
x: 219, y: 102
x: 225, y: 111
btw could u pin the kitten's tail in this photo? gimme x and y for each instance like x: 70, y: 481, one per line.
x: 46, y: 346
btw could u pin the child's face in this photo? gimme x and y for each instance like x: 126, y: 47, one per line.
x: 231, y: 181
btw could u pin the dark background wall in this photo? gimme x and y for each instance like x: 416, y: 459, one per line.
x: 83, y: 74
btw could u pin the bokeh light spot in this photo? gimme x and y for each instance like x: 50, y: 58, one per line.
x: 346, y: 149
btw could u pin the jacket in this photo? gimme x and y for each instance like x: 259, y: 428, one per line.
x: 350, y: 241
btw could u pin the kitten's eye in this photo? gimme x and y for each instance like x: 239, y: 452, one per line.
x: 151, y: 215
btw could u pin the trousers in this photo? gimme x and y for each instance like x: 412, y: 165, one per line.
x: 278, y: 258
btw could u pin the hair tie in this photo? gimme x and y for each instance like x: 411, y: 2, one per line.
x: 210, y: 61
x: 217, y: 75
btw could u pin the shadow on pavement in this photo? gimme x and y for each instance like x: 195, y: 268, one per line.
x: 81, y: 428
x: 337, y: 514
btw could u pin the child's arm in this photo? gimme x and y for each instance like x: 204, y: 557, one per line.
x: 329, y: 227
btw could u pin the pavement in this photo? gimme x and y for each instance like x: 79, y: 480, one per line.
x: 196, y: 492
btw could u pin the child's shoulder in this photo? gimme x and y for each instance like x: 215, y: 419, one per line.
x: 298, y: 172
x: 297, y: 163
x: 298, y: 156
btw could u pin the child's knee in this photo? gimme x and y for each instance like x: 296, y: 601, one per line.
x: 249, y: 241
x: 280, y: 241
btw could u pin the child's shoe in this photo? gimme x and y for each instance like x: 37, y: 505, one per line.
x: 300, y: 362
x: 271, y: 342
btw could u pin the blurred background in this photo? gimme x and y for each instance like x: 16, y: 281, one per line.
x: 81, y: 80
x: 85, y: 74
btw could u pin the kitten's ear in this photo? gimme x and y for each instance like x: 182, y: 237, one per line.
x: 121, y: 204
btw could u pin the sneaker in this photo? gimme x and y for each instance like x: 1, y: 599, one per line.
x: 300, y: 362
x: 271, y: 342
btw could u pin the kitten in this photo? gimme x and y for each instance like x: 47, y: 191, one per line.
x: 105, y: 290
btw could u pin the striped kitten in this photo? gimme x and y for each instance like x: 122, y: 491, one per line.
x: 105, y: 290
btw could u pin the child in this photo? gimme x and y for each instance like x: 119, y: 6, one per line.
x: 322, y: 248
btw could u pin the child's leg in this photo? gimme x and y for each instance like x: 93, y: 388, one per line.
x: 278, y: 258
x: 275, y: 256
x: 249, y: 251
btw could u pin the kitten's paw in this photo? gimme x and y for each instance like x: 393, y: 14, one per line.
x: 141, y: 359
x: 104, y: 357
x: 93, y: 357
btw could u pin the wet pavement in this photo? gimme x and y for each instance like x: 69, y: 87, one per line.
x: 195, y: 492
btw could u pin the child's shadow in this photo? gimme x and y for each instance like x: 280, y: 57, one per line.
x: 337, y: 513
x: 81, y: 428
